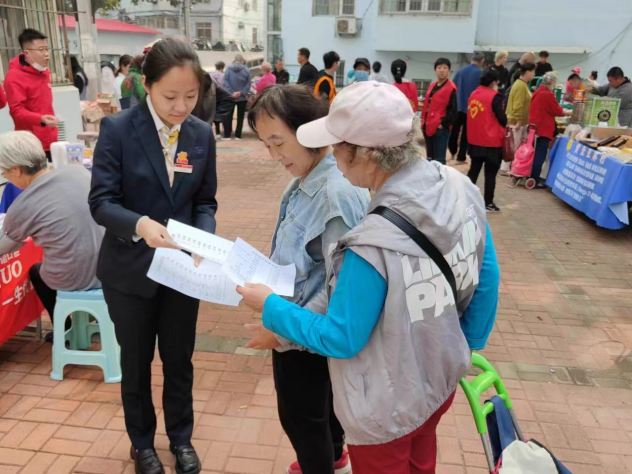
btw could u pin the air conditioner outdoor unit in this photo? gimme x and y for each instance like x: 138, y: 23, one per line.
x: 346, y: 25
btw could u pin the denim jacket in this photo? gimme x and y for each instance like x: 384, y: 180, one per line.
x: 307, y: 206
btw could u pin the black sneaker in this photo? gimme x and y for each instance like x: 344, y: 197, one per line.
x: 492, y: 208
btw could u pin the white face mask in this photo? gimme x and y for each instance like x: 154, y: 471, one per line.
x: 38, y: 67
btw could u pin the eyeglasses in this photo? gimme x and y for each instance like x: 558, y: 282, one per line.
x: 44, y: 49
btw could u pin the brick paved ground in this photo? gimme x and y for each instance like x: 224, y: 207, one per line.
x: 562, y: 342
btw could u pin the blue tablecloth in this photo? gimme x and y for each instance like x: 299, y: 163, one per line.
x: 9, y: 195
x: 593, y: 183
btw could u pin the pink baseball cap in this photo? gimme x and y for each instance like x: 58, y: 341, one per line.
x: 577, y: 70
x: 371, y: 114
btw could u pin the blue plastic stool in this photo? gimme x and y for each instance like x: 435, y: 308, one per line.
x: 92, y: 303
x: 79, y: 336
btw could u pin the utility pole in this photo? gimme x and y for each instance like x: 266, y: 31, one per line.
x: 186, y: 4
x: 87, y: 40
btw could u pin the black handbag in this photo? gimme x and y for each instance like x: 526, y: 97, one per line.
x: 421, y: 240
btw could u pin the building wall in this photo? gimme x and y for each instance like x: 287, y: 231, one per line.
x: 113, y: 44
x: 238, y: 23
x: 606, y: 32
x: 229, y: 19
x: 578, y: 24
x: 320, y: 37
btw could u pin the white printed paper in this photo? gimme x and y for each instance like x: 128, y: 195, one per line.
x: 205, y: 244
x: 207, y: 282
x: 245, y: 264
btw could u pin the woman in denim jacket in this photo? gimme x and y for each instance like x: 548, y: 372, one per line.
x: 318, y: 207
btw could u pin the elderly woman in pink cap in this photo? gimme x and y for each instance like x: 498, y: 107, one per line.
x: 412, y: 288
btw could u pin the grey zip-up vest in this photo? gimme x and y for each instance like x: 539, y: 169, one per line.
x: 417, y: 352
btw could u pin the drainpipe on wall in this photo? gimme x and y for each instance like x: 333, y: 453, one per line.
x: 221, y: 21
x: 186, y: 5
x: 87, y: 33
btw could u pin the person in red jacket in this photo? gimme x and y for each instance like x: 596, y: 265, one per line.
x: 409, y: 89
x: 486, y: 122
x: 544, y: 109
x: 3, y: 98
x: 29, y: 89
x: 439, y: 112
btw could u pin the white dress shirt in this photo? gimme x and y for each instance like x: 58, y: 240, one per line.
x: 169, y: 152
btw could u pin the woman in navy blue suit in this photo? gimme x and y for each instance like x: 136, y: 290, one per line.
x: 154, y: 162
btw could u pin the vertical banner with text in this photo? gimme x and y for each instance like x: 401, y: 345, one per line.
x: 19, y: 304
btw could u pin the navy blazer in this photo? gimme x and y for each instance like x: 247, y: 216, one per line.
x: 130, y: 180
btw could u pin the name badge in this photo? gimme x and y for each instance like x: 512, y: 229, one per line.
x: 182, y: 163
x: 178, y: 168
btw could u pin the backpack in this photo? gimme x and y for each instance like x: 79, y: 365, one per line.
x: 332, y: 88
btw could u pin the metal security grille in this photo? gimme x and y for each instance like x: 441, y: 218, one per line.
x: 326, y: 7
x: 436, y: 7
x: 348, y: 7
x: 340, y: 74
x: 44, y: 16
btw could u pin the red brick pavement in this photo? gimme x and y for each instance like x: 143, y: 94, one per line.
x: 562, y: 342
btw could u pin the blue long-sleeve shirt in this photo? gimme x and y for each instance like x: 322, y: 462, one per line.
x: 467, y: 79
x: 357, y: 303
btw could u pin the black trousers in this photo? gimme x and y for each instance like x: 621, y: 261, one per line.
x: 48, y: 156
x: 491, y: 170
x: 47, y: 295
x: 171, y: 317
x: 453, y: 144
x: 228, y: 121
x: 306, y: 410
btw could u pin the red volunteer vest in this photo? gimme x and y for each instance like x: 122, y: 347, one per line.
x: 433, y: 113
x: 483, y: 128
x: 409, y: 89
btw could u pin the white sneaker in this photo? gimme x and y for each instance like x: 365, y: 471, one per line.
x: 238, y: 139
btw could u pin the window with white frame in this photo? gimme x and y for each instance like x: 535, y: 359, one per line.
x: 255, y: 4
x: 204, y: 30
x: 333, y: 7
x: 422, y: 86
x: 254, y: 36
x: 444, y: 7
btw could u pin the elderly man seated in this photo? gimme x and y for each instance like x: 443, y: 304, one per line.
x: 53, y: 210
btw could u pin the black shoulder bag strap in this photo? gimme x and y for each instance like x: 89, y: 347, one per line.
x: 421, y: 240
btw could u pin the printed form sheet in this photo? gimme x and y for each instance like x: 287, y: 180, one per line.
x: 206, y: 245
x: 207, y: 282
x: 245, y: 264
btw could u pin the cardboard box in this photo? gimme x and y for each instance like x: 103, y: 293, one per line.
x: 601, y: 133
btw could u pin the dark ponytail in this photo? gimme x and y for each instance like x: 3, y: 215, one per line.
x: 166, y: 54
x: 488, y: 78
x: 398, y: 69
x: 124, y: 60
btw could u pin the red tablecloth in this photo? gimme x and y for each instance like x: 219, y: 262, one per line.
x: 19, y: 304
